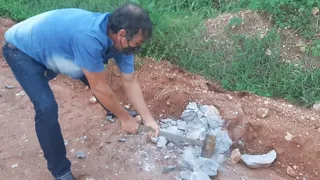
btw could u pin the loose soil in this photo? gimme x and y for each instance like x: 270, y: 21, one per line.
x: 167, y: 90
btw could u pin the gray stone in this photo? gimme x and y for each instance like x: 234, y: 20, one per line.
x: 162, y: 142
x: 66, y: 142
x: 168, y: 169
x: 189, y: 159
x: 181, y: 125
x: 122, y: 139
x: 316, y: 106
x: 9, y: 86
x: 154, y: 139
x: 80, y: 154
x: 173, y: 130
x: 208, y: 166
x: 259, y: 161
x: 189, y: 115
x: 185, y: 175
x: 199, y: 175
x: 223, y: 142
x: 192, y: 106
x: 197, y: 134
x: 170, y: 144
x: 214, y: 121
x: 110, y: 118
x: 209, y: 110
x: 164, y: 126
x: 168, y: 121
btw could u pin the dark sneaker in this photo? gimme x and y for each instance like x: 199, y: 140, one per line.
x: 68, y: 176
x: 131, y: 112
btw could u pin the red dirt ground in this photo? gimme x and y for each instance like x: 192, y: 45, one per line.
x: 167, y: 90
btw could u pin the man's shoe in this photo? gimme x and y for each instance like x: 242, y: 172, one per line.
x: 68, y: 176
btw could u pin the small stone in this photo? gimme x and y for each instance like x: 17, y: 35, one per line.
x: 168, y: 169
x: 122, y: 139
x: 170, y: 144
x: 93, y: 100
x: 303, y: 49
x: 87, y: 87
x: 318, y: 130
x: 268, y: 52
x: 66, y: 142
x: 162, y: 142
x: 110, y: 118
x: 138, y: 118
x: 316, y: 106
x: 288, y: 137
x: 22, y: 93
x: 235, y: 156
x: 9, y: 86
x: 14, y: 166
x: 80, y: 154
x: 258, y: 161
x: 167, y: 156
x: 291, y: 172
x: 295, y: 167
x: 204, y: 91
x: 263, y: 112
x: 242, y: 178
x: 154, y: 139
x: 315, y: 10
x: 304, y: 178
x: 307, y: 133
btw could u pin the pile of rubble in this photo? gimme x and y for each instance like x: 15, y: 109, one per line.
x: 195, y: 122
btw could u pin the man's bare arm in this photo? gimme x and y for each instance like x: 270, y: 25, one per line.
x: 108, y: 99
x: 133, y: 91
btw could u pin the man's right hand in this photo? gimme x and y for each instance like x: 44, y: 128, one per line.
x: 129, y: 125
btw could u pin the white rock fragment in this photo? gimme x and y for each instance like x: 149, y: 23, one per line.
x: 14, y: 166
x: 263, y: 112
x: 291, y: 172
x: 259, y: 161
x: 288, y: 137
x: 162, y: 142
x: 316, y: 106
x: 21, y: 93
x: 93, y: 100
x: 154, y: 139
x: 235, y: 156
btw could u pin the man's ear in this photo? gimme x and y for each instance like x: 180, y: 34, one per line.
x: 122, y: 33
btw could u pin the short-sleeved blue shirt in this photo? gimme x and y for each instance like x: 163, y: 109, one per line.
x: 67, y: 40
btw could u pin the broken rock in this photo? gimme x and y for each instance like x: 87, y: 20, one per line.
x: 316, y: 106
x: 208, y: 166
x: 291, y: 172
x: 162, y: 142
x: 168, y: 169
x: 263, y: 112
x: 80, y: 154
x: 197, y: 134
x: 209, y: 110
x: 235, y: 156
x: 173, y: 130
x: 223, y: 142
x: 181, y: 125
x: 93, y: 100
x: 259, y: 161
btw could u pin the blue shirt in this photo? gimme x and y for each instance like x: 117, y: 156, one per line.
x: 67, y: 40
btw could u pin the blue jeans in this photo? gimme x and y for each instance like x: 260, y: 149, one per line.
x: 34, y: 77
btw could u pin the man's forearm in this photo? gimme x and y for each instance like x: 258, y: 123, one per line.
x: 109, y: 100
x: 135, y: 96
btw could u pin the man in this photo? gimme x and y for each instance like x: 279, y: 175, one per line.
x: 76, y: 42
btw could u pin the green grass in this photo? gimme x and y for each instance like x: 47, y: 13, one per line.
x: 179, y: 32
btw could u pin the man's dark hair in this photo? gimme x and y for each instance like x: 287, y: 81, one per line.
x: 131, y: 17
